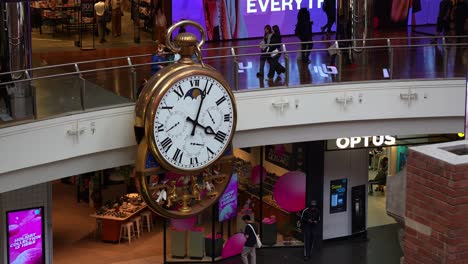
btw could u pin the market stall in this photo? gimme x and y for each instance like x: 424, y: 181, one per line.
x: 114, y: 216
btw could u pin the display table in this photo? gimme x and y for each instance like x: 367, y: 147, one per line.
x: 111, y: 224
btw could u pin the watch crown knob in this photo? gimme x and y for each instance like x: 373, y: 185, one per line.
x: 187, y: 43
x: 186, y: 39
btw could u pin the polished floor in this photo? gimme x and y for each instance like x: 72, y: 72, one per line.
x: 368, y: 64
x: 74, y: 240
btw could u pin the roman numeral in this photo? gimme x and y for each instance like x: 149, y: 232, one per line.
x: 166, y: 144
x: 195, y: 83
x: 221, y: 100
x: 166, y: 107
x: 178, y: 155
x: 209, y: 89
x: 210, y: 152
x: 227, y: 118
x: 220, y: 136
x: 159, y: 127
x: 193, y: 161
x: 179, y: 91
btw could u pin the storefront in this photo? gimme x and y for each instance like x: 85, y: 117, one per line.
x: 270, y: 183
x: 75, y: 20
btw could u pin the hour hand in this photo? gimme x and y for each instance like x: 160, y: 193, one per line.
x: 208, y: 130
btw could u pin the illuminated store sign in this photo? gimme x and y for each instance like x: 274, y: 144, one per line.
x: 374, y: 141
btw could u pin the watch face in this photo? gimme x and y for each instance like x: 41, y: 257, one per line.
x: 194, y: 122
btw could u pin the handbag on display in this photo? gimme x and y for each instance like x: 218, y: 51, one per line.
x: 259, y: 243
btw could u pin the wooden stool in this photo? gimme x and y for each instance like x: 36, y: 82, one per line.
x: 137, y: 225
x: 147, y: 220
x: 127, y: 231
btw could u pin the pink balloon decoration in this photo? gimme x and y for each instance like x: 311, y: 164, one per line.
x: 183, y: 224
x: 255, y: 174
x: 234, y: 245
x: 289, y: 191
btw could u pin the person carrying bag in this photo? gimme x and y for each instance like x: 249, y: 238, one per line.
x: 252, y: 241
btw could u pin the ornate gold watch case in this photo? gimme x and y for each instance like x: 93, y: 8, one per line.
x: 171, y: 190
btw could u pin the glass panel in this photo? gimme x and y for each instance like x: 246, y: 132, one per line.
x: 284, y: 195
x: 16, y: 102
x: 57, y: 95
x: 107, y: 87
x: 278, y: 217
x: 225, y: 65
x: 190, y: 239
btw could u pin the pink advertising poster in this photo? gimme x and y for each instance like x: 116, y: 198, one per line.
x: 25, y: 236
x: 228, y: 201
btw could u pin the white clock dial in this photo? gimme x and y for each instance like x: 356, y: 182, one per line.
x: 175, y: 124
x: 213, y: 116
x: 193, y: 122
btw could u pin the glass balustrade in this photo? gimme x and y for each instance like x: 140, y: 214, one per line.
x: 65, y: 89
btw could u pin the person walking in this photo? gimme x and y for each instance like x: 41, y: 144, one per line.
x: 303, y: 31
x: 264, y: 48
x: 158, y: 59
x: 460, y: 17
x: 329, y: 7
x: 100, y: 13
x: 310, y: 219
x: 160, y: 25
x: 443, y: 19
x: 274, y: 54
x: 117, y: 14
x: 250, y: 232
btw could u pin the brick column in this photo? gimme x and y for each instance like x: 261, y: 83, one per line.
x: 436, y: 223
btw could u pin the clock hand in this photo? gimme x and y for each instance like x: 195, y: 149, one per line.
x: 172, y: 127
x: 211, y: 117
x: 208, y: 129
x: 198, y: 113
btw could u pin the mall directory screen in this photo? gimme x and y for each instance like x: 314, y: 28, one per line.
x: 25, y: 236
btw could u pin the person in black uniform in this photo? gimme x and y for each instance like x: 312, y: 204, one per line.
x: 310, y: 219
x: 329, y: 7
x: 274, y: 48
x: 303, y: 31
x: 443, y: 19
x: 249, y: 246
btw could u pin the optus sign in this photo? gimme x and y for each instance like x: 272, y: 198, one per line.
x: 374, y: 141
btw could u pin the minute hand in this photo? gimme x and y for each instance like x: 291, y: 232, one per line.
x: 198, y: 114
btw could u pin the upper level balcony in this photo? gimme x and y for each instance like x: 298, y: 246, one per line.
x: 63, y: 89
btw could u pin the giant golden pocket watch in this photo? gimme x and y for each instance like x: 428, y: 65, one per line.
x: 185, y: 121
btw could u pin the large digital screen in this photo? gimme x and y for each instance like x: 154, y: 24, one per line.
x: 25, y: 236
x: 237, y: 19
x: 228, y: 201
x: 338, y: 194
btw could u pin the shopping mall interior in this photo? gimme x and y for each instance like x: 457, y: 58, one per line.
x: 335, y: 126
